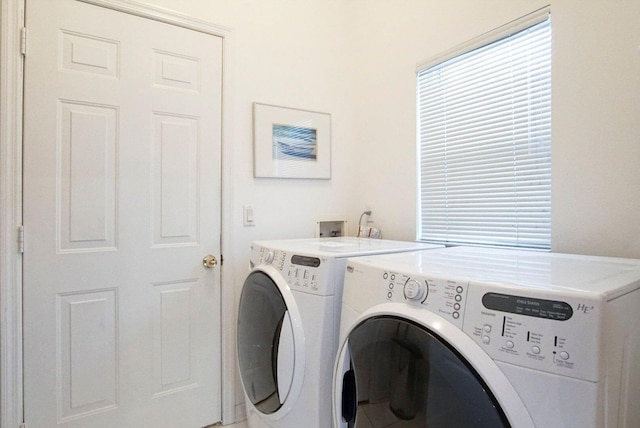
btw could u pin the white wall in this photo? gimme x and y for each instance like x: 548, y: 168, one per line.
x: 596, y: 127
x: 356, y: 59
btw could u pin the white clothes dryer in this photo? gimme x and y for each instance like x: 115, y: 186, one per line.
x: 472, y: 337
x: 288, y: 320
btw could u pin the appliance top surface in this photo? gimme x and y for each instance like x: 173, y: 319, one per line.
x: 343, y: 246
x: 606, y: 276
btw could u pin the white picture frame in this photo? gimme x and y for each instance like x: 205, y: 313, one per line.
x: 291, y: 143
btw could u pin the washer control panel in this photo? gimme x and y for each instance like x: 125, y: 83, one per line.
x: 301, y: 272
x: 551, y: 329
x: 444, y: 297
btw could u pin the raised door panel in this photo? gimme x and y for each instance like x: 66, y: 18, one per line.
x: 87, y: 177
x: 176, y: 174
x: 88, y: 356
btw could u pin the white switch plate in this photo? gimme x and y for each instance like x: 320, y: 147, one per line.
x: 248, y: 217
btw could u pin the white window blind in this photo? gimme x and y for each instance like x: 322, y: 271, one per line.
x: 484, y: 143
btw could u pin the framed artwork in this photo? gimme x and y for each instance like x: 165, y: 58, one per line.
x: 291, y: 143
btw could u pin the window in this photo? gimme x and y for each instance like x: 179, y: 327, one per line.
x: 484, y: 141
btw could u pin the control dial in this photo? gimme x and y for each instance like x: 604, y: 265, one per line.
x: 269, y: 256
x: 415, y: 290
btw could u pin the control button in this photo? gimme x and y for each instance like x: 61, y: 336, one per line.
x: 391, y: 286
x: 268, y: 256
x: 456, y: 315
x: 459, y: 289
x: 486, y: 339
x: 535, y: 349
x: 564, y: 355
x: 385, y: 275
x: 389, y: 294
x: 413, y: 290
x: 458, y: 297
x: 393, y: 277
x: 510, y: 344
x: 456, y: 306
x: 487, y: 328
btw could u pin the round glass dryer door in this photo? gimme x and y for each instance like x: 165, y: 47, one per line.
x: 400, y: 372
x: 266, y: 343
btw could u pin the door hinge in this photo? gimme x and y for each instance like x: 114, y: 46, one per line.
x: 23, y: 41
x: 221, y: 259
x: 21, y: 239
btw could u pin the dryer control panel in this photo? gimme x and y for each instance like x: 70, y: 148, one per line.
x: 553, y: 332
x: 444, y: 297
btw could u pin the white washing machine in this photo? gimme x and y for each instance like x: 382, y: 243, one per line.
x: 470, y: 337
x: 288, y: 321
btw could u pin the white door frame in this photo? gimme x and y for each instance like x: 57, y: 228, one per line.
x: 11, y: 104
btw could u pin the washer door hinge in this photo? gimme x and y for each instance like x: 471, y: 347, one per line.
x: 21, y: 239
x: 23, y: 41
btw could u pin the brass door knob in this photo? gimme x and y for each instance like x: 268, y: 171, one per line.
x: 209, y: 261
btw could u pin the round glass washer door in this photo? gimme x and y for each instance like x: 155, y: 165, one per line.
x: 270, y: 342
x: 397, y: 371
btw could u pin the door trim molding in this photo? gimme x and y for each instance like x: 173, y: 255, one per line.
x: 11, y: 65
x: 11, y: 104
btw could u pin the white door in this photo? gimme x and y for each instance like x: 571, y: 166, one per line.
x: 122, y: 145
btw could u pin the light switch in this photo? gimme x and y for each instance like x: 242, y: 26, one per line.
x: 248, y: 215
